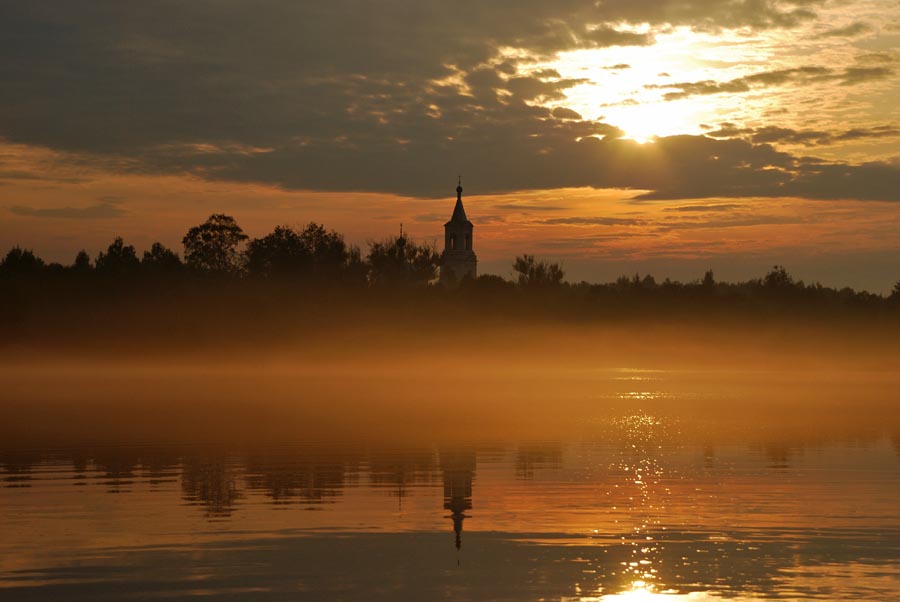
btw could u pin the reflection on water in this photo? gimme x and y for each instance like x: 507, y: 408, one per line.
x: 641, y: 504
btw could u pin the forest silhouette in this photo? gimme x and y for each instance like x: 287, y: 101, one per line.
x: 225, y: 286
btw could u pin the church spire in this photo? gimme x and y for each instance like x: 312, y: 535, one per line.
x: 459, y: 212
x: 458, y: 260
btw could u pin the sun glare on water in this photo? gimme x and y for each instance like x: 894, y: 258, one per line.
x: 642, y: 592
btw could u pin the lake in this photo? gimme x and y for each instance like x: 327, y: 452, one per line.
x: 272, y: 482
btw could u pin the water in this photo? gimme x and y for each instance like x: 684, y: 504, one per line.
x: 600, y: 485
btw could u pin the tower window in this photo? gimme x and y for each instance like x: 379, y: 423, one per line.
x: 468, y: 242
x: 453, y: 242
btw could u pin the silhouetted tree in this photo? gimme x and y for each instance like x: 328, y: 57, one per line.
x: 279, y: 253
x: 401, y: 261
x: 778, y: 278
x: 82, y: 263
x: 314, y: 251
x: 327, y: 248
x: 21, y: 261
x: 213, y: 246
x: 491, y: 282
x: 160, y: 259
x: 537, y: 274
x: 895, y: 292
x: 120, y: 259
x: 356, y: 271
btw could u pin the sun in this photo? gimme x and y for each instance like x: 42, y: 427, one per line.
x: 645, y: 122
x: 626, y: 86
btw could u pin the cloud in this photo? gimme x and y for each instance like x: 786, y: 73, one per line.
x: 593, y: 221
x: 732, y: 222
x: 14, y: 174
x: 875, y: 57
x: 526, y: 207
x: 781, y: 135
x: 779, y: 77
x: 564, y: 113
x: 122, y: 78
x: 860, y: 75
x: 848, y: 31
x: 358, y: 95
x: 704, y: 208
x: 100, y: 210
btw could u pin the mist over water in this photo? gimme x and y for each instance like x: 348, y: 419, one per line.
x: 492, y: 463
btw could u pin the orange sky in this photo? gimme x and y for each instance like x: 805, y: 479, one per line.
x: 597, y: 234
x: 664, y: 137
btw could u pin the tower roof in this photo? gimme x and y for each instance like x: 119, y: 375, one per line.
x: 459, y: 212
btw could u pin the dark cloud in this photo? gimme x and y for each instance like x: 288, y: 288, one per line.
x: 780, y: 135
x: 491, y: 219
x: 16, y: 174
x: 525, y: 207
x: 609, y: 36
x: 99, y: 211
x: 382, y: 96
x: 580, y: 243
x: 111, y: 76
x: 875, y: 57
x: 593, y: 221
x: 564, y: 113
x: 848, y: 31
x: 442, y: 217
x: 704, y: 208
x: 731, y: 222
x: 795, y: 76
x: 861, y: 75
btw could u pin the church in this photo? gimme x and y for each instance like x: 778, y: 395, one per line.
x: 458, y: 260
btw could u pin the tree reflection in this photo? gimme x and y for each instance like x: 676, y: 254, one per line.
x: 399, y: 470
x: 535, y: 456
x: 16, y: 467
x: 210, y: 481
x: 118, y: 467
x: 310, y: 478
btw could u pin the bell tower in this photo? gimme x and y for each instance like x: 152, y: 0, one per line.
x: 458, y: 260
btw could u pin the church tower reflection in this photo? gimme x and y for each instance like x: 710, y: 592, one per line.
x: 458, y: 470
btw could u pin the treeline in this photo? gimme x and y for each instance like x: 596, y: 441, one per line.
x: 218, y: 249
x: 223, y: 275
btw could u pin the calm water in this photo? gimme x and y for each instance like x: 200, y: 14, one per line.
x: 631, y: 485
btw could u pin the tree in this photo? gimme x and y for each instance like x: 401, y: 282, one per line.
x: 778, y: 278
x: 213, y: 246
x: 537, y: 274
x: 326, y: 248
x: 312, y: 252
x: 895, y: 292
x: 82, y: 263
x: 161, y: 259
x: 119, y: 259
x: 21, y: 261
x: 279, y: 253
x: 356, y: 270
x: 397, y: 261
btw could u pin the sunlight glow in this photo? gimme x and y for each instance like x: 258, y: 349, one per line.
x: 626, y: 86
x: 641, y: 592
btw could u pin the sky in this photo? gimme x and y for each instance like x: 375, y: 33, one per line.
x: 653, y: 136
